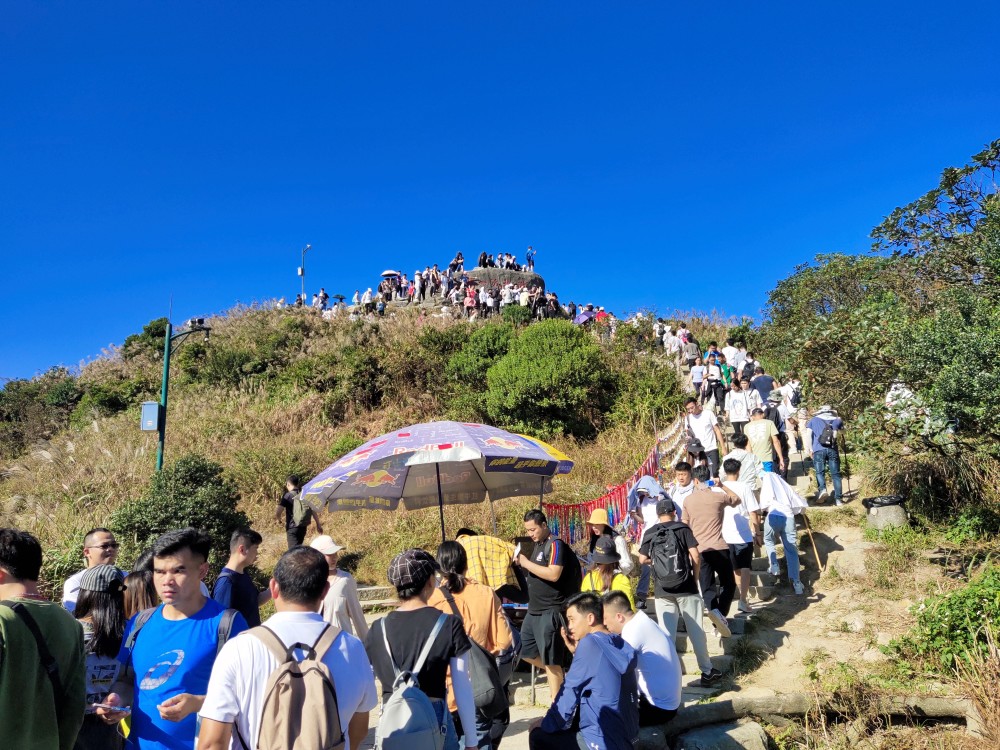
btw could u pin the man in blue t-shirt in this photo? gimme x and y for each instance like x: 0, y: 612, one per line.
x: 234, y: 588
x: 826, y: 456
x: 164, y: 675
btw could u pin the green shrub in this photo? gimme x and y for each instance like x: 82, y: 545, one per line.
x: 484, y: 347
x: 973, y: 524
x: 647, y: 390
x: 345, y: 444
x: 553, y: 380
x: 950, y: 625
x: 516, y: 315
x: 149, y: 341
x: 192, y: 492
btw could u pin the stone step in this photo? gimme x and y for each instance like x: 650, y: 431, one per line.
x: 759, y: 563
x: 376, y: 592
x: 367, y: 605
x: 762, y: 578
x: 716, y: 646
x: 762, y: 593
x: 692, y: 690
x: 689, y: 663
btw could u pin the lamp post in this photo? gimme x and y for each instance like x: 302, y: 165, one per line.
x: 302, y: 272
x: 194, y: 325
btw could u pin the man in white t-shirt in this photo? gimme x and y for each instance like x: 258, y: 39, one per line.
x: 99, y: 548
x: 731, y: 352
x: 704, y: 426
x: 657, y: 668
x: 741, y: 529
x: 235, y: 698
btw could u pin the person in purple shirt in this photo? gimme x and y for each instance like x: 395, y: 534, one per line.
x: 826, y: 456
x: 600, y: 690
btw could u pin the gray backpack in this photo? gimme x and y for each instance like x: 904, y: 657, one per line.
x: 408, y: 720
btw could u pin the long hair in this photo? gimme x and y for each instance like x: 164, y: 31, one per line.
x: 606, y: 571
x: 608, y: 532
x: 106, y: 612
x: 140, y: 593
x: 454, y: 563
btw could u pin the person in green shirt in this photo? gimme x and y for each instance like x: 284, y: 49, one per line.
x: 38, y: 710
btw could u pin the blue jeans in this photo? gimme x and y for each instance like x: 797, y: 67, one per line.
x: 642, y: 589
x: 777, y: 526
x: 444, y: 716
x: 828, y: 458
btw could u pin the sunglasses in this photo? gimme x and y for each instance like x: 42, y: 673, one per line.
x: 106, y: 546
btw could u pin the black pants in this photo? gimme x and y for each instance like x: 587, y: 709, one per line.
x: 651, y: 716
x: 296, y: 536
x: 719, y: 595
x: 738, y: 427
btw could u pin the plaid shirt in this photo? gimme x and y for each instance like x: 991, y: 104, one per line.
x: 489, y: 560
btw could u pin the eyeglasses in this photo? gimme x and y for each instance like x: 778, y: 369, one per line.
x: 106, y: 546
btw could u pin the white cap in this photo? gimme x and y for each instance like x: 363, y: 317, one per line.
x: 325, y: 544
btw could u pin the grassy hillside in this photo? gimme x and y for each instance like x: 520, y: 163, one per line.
x: 281, y: 391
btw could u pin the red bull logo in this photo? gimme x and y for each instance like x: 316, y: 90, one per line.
x: 499, y: 442
x: 375, y: 479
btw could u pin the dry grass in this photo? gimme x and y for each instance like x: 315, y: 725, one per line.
x: 979, y: 680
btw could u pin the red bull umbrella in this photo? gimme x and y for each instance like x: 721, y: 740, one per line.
x: 437, y: 464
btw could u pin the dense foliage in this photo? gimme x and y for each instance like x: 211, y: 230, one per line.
x: 191, y: 492
x: 902, y: 341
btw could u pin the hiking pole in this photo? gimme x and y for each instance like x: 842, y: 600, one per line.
x: 805, y: 521
x: 847, y: 466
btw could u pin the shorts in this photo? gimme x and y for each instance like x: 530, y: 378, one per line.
x: 741, y: 555
x: 541, y: 638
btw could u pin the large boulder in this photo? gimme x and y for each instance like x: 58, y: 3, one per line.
x: 501, y: 276
x: 888, y: 517
x: 743, y: 736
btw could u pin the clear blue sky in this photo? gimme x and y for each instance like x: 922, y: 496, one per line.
x: 655, y: 154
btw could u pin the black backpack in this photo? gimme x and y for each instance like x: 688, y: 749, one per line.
x: 671, y: 562
x: 828, y: 437
x: 796, y: 398
x: 747, y: 372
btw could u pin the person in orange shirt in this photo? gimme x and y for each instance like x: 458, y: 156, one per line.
x: 485, y: 623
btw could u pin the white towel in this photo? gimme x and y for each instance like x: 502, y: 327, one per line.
x: 776, y: 494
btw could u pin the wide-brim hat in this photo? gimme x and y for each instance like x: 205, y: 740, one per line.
x: 605, y: 552
x: 326, y: 545
x: 775, y: 397
x: 599, y: 517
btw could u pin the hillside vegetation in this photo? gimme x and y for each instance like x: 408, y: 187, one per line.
x: 275, y: 392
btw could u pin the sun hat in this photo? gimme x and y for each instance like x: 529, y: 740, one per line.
x: 599, y: 517
x: 106, y: 579
x: 414, y: 567
x: 775, y: 397
x: 605, y: 552
x: 325, y: 544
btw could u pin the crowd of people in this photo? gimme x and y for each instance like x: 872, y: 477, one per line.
x: 153, y: 655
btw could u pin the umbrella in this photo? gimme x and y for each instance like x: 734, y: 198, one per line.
x: 436, y: 463
x: 584, y: 317
x: 339, y: 297
x: 390, y: 272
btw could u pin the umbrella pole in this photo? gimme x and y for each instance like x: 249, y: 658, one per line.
x: 493, y: 516
x: 437, y: 470
x: 541, y: 492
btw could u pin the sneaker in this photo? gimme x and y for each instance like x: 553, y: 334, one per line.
x: 822, y: 496
x: 640, y: 604
x: 839, y: 503
x: 719, y: 620
x: 774, y: 570
x: 710, y: 678
x: 798, y: 588
x: 744, y: 607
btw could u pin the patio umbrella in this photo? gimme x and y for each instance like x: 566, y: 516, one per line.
x: 436, y: 463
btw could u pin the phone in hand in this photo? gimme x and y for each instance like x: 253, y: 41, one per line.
x: 109, y: 707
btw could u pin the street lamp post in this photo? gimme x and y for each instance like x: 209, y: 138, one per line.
x: 302, y: 272
x: 194, y: 325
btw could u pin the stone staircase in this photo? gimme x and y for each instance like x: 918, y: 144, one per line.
x: 376, y: 599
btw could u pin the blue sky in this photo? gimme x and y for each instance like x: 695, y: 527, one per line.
x: 655, y: 154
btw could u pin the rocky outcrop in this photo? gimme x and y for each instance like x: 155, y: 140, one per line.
x: 501, y: 276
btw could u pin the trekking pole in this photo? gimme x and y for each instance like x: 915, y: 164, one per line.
x: 805, y: 521
x: 847, y: 466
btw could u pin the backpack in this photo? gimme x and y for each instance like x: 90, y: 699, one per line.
x: 487, y: 688
x: 221, y: 635
x: 796, y: 398
x: 671, y: 563
x: 828, y: 438
x: 408, y: 720
x: 570, y: 584
x: 300, y: 701
x: 747, y: 372
x: 300, y: 511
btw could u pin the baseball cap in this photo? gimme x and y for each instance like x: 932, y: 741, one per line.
x: 757, y: 410
x: 665, y: 506
x: 105, y: 579
x: 414, y: 567
x: 325, y: 544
